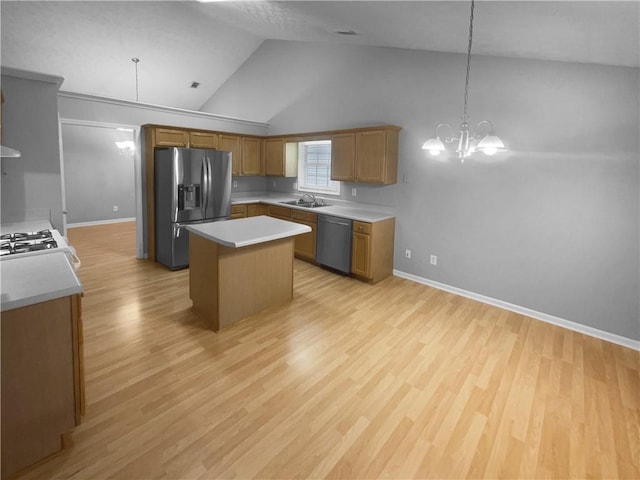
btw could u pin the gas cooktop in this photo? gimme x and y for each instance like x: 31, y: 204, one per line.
x: 25, y: 242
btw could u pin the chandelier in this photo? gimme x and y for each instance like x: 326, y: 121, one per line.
x: 468, y: 142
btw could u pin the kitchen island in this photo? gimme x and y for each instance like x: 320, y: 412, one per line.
x: 240, y: 267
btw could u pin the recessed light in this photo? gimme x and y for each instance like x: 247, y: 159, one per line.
x: 195, y: 84
x: 347, y: 33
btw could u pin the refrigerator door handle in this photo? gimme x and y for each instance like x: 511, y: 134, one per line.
x: 203, y: 188
x: 209, y: 192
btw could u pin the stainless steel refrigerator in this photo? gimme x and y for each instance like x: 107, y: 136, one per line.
x: 192, y: 185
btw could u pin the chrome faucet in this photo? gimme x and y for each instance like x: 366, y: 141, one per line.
x: 311, y: 196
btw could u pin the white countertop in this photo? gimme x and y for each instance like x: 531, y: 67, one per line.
x: 243, y: 232
x: 25, y: 226
x: 338, y: 208
x: 35, y: 279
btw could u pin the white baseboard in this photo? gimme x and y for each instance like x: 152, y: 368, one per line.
x: 101, y: 222
x: 560, y: 322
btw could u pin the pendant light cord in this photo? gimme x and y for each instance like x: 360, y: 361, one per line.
x: 465, y: 117
x: 136, y: 61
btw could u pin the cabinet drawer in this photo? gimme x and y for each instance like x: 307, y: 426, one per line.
x: 238, y: 211
x: 362, y: 227
x: 276, y: 211
x: 305, y: 216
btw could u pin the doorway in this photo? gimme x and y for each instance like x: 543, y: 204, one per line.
x: 101, y: 175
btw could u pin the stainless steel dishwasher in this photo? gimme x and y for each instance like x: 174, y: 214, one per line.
x: 333, y: 243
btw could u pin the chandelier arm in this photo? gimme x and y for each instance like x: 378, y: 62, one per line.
x: 448, y: 139
x: 465, y: 116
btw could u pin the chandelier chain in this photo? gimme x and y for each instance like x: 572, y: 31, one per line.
x: 465, y: 116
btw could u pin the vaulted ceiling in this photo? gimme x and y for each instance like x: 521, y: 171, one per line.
x: 91, y: 43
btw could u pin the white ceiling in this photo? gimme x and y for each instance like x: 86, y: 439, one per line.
x: 91, y: 43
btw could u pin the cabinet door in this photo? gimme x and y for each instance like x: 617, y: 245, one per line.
x: 171, y: 138
x: 279, y: 212
x: 361, y: 254
x: 203, y: 140
x: 251, y: 163
x: 343, y: 157
x: 371, y: 156
x: 274, y: 157
x: 256, y: 209
x: 231, y: 143
x: 305, y: 244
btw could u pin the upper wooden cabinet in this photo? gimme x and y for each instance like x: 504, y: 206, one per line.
x: 165, y: 137
x: 251, y: 158
x: 232, y: 143
x: 281, y: 157
x: 343, y: 157
x: 203, y: 140
x: 365, y: 156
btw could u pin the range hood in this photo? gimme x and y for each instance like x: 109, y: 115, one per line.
x: 8, y: 152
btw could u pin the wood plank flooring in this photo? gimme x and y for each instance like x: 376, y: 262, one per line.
x: 349, y: 380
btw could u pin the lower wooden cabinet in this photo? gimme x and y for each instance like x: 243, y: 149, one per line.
x: 276, y: 211
x: 238, y: 211
x: 42, y: 379
x: 305, y: 244
x: 257, y: 209
x: 372, y: 249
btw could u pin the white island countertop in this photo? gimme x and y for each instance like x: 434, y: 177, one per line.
x: 35, y: 279
x: 243, y: 232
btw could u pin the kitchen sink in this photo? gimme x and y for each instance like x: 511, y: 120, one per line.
x: 300, y: 203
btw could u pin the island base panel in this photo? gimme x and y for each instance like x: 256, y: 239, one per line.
x: 229, y: 284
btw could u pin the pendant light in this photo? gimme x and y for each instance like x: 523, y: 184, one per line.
x: 468, y: 143
x: 136, y: 60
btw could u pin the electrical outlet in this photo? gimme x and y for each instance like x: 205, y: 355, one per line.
x: 273, y: 183
x: 295, y: 185
x: 115, y: 208
x: 354, y: 191
x: 433, y: 259
x: 235, y: 184
x: 407, y: 253
x: 406, y: 179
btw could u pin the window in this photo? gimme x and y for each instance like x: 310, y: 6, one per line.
x: 314, y: 168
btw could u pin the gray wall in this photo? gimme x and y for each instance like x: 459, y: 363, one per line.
x: 31, y: 185
x: 552, y: 226
x: 98, y: 175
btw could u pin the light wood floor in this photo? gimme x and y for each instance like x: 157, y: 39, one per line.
x: 349, y: 380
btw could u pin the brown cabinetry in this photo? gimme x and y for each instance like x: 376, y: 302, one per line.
x: 257, y: 209
x: 281, y: 157
x: 369, y: 156
x: 238, y: 211
x: 283, y: 213
x: 343, y: 157
x: 203, y: 140
x: 305, y: 244
x: 42, y: 379
x: 232, y: 143
x: 251, y: 156
x: 165, y: 137
x: 372, y: 249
